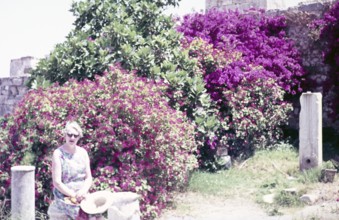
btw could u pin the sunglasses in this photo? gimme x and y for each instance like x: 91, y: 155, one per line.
x: 72, y: 135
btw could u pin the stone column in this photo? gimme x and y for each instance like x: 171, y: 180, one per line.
x: 22, y: 195
x: 310, y: 131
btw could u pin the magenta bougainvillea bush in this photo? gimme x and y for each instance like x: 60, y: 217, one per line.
x: 249, y: 107
x: 258, y: 37
x: 136, y: 142
x: 245, y: 60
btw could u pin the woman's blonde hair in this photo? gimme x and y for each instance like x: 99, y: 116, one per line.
x: 73, y: 125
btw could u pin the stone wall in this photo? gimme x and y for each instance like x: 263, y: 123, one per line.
x: 12, y: 89
x: 235, y: 4
x: 263, y: 4
x: 310, y: 48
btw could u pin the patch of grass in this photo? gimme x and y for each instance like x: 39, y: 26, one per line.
x: 286, y: 199
x: 309, y: 176
x: 265, y: 171
x: 268, y: 171
x: 225, y: 183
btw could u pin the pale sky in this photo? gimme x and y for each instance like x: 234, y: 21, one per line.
x: 34, y: 27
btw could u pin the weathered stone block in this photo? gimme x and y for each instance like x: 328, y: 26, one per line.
x: 22, y: 90
x: 4, y: 90
x: 2, y: 109
x: 3, y: 98
x: 269, y: 198
x: 11, y: 102
x: 13, y: 90
x: 18, y: 81
x: 7, y: 109
x: 18, y: 98
x: 309, y: 198
x: 6, y: 81
x: 292, y: 191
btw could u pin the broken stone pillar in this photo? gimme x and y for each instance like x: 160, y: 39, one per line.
x: 310, y: 131
x: 22, y: 66
x: 22, y: 195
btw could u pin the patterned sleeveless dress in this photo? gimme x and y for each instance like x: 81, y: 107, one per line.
x: 73, y: 175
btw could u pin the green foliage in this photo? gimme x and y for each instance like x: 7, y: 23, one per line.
x: 40, y: 82
x: 134, y: 33
x: 287, y: 199
x: 310, y: 176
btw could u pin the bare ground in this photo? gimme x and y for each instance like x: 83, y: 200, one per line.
x: 194, y: 206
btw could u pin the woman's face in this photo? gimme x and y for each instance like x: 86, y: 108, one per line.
x: 72, y: 137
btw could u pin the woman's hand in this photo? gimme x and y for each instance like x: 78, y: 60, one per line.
x: 81, y: 194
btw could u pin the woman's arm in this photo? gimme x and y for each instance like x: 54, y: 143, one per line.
x: 88, y: 181
x: 56, y: 176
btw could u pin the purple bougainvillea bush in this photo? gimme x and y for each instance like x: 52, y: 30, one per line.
x: 136, y: 142
x: 258, y: 37
x: 250, y: 107
x: 248, y: 65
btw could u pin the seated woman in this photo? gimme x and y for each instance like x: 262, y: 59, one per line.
x: 71, y: 175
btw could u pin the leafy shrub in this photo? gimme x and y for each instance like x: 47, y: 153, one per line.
x: 255, y: 112
x: 132, y: 32
x: 136, y: 142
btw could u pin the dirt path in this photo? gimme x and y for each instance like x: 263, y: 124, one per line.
x: 196, y: 207
x: 191, y: 206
